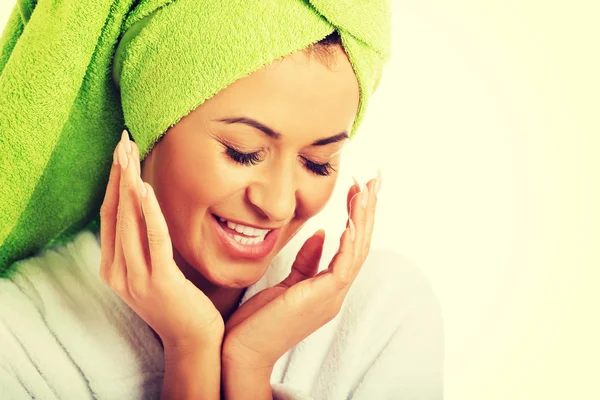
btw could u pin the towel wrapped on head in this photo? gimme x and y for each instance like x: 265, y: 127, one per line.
x: 74, y: 74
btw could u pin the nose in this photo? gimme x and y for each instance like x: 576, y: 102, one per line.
x: 274, y: 195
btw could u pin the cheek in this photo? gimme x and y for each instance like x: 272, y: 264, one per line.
x: 204, y: 177
x: 315, y: 196
x: 217, y: 181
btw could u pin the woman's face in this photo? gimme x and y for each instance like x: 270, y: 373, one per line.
x: 292, y: 119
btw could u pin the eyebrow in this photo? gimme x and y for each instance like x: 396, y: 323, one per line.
x: 275, y: 135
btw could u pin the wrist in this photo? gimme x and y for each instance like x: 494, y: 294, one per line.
x: 241, y: 383
x: 183, y: 347
x: 199, y: 352
x: 185, y: 364
x: 236, y: 357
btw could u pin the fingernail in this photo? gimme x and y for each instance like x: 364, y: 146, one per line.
x: 365, y: 196
x: 115, y: 161
x: 125, y: 140
x: 122, y: 156
x: 378, y: 182
x: 142, y: 187
x: 352, y: 229
x: 356, y: 183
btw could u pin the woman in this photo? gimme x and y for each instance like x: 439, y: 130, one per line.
x: 226, y: 187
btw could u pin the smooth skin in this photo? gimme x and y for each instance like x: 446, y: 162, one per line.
x: 159, y: 253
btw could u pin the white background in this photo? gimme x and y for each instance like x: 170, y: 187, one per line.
x: 486, y: 128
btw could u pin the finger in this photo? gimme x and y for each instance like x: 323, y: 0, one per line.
x: 358, y: 214
x: 307, y: 260
x: 369, y: 217
x: 341, y: 264
x: 118, y: 270
x: 132, y: 230
x: 108, y: 218
x: 135, y: 151
x: 157, y: 231
x: 354, y: 189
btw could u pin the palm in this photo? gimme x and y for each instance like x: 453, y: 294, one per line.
x: 279, y: 317
x: 176, y: 308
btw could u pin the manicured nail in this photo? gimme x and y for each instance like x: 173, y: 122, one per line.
x: 142, y: 187
x: 122, y: 156
x: 356, y: 183
x: 365, y: 196
x: 125, y: 141
x: 378, y: 182
x: 352, y: 229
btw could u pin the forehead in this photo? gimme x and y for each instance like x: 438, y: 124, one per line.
x: 294, y: 95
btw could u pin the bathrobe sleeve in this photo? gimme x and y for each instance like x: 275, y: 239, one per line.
x: 409, y: 367
x: 283, y: 392
x: 65, y: 335
x: 411, y: 364
x: 388, y: 341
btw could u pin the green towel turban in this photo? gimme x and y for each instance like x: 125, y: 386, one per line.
x: 74, y: 74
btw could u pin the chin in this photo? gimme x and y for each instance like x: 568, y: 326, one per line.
x: 232, y: 274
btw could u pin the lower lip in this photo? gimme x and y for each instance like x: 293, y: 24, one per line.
x: 248, y: 251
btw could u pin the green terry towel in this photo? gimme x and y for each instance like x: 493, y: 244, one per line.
x: 74, y: 74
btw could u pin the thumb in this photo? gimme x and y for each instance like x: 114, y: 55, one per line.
x: 307, y: 260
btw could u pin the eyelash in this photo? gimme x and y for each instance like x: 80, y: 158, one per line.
x: 249, y: 159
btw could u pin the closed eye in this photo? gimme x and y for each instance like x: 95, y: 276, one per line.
x: 243, y: 158
x: 251, y: 159
x: 318, y: 169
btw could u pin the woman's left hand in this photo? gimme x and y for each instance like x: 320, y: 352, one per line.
x: 276, y: 319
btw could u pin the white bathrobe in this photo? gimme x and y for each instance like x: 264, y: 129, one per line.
x: 65, y: 335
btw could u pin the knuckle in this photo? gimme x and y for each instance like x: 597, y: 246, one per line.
x: 125, y: 222
x: 106, y: 211
x: 125, y: 185
x: 104, y: 274
x: 152, y: 212
x: 373, y: 204
x: 138, y: 288
x: 155, y: 238
x: 367, y: 247
x: 117, y: 285
x: 341, y: 281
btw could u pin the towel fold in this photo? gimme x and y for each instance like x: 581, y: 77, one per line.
x: 74, y: 74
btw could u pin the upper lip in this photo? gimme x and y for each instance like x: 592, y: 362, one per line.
x: 247, y: 224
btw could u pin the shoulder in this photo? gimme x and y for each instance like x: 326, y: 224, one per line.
x: 37, y: 300
x: 62, y: 273
x: 79, y: 256
x: 63, y: 331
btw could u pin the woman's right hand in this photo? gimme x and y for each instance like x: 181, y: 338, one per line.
x: 137, y: 260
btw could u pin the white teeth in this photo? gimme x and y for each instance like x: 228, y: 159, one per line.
x: 246, y: 240
x: 246, y: 230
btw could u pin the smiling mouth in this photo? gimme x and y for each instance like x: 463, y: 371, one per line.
x: 241, y: 245
x: 242, y: 234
